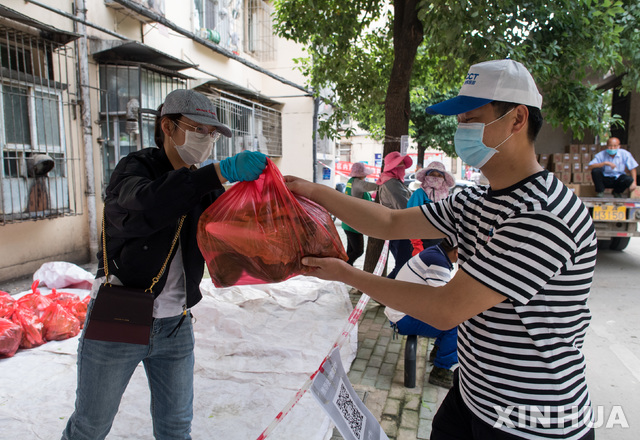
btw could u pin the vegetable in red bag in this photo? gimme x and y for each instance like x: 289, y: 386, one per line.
x: 31, y: 327
x: 10, y: 337
x: 65, y: 299
x: 59, y: 323
x: 35, y: 300
x: 7, y: 304
x: 79, y: 309
x: 258, y: 231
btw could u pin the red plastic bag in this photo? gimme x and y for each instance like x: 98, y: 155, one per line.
x: 257, y: 232
x: 65, y: 299
x: 35, y: 300
x: 7, y: 304
x: 59, y: 323
x: 10, y: 337
x: 31, y: 327
x: 79, y: 309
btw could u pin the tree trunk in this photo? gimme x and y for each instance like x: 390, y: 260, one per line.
x: 407, y: 36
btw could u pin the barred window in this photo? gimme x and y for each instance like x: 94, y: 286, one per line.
x: 39, y: 143
x: 216, y: 21
x: 254, y: 127
x: 259, y: 39
x: 124, y: 128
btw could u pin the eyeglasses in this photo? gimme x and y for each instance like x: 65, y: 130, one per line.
x: 201, y: 132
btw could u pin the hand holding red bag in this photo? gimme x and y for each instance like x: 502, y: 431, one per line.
x: 258, y: 231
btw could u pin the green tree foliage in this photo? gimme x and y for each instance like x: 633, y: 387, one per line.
x: 434, y: 132
x: 568, y: 45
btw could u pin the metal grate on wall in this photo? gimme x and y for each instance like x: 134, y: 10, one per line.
x: 255, y: 127
x: 125, y: 89
x: 259, y: 39
x: 41, y: 173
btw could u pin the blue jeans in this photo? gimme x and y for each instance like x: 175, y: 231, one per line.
x: 446, y: 340
x: 401, y: 251
x: 105, y: 368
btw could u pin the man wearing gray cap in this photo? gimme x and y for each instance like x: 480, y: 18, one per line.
x: 151, y: 210
x: 527, y: 251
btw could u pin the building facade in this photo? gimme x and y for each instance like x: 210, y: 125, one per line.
x: 78, y: 80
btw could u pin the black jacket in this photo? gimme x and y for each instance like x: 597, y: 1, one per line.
x: 143, y: 203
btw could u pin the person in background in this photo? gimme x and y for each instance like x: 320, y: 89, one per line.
x: 394, y: 194
x: 527, y: 251
x: 435, y: 182
x: 359, y: 188
x: 434, y: 266
x: 608, y: 169
x: 149, y: 191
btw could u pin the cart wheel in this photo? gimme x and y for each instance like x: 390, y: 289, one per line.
x: 619, y: 243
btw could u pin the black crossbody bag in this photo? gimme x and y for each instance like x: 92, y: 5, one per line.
x: 120, y: 313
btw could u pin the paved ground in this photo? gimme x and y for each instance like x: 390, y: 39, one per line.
x: 377, y: 374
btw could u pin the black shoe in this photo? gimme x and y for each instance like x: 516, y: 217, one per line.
x: 441, y: 377
x: 617, y: 195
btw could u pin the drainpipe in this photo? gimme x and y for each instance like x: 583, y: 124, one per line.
x: 87, y: 129
x: 316, y: 108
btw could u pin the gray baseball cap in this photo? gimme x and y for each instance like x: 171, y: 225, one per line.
x: 194, y: 106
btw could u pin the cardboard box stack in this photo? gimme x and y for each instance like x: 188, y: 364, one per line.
x: 570, y: 167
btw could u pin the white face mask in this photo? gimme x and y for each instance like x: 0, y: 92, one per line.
x: 194, y: 150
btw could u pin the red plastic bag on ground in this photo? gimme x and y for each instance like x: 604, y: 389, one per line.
x: 79, y: 309
x: 10, y: 337
x: 65, y: 299
x: 71, y: 302
x: 258, y: 231
x: 34, y: 300
x: 31, y: 327
x: 59, y: 323
x: 7, y: 304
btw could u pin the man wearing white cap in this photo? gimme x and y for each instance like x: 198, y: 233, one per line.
x: 527, y: 252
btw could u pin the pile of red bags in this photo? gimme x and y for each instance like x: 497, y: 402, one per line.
x: 35, y: 319
x: 257, y: 232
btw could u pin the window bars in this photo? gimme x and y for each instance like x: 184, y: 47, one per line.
x: 41, y: 173
x: 259, y: 37
x: 125, y: 90
x: 254, y: 126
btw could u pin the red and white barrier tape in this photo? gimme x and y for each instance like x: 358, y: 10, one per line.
x: 342, y: 338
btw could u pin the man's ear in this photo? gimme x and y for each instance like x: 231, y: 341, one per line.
x: 521, y: 119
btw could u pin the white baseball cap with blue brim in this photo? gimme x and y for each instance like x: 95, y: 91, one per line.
x: 501, y: 80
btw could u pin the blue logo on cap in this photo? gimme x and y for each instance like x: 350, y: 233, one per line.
x: 471, y: 78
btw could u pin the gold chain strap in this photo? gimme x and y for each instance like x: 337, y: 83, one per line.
x: 164, y: 265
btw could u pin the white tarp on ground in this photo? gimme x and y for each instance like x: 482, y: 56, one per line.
x: 255, y: 346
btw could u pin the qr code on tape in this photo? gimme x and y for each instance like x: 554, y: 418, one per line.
x: 350, y: 412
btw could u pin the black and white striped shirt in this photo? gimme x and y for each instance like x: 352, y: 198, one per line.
x: 521, y: 365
